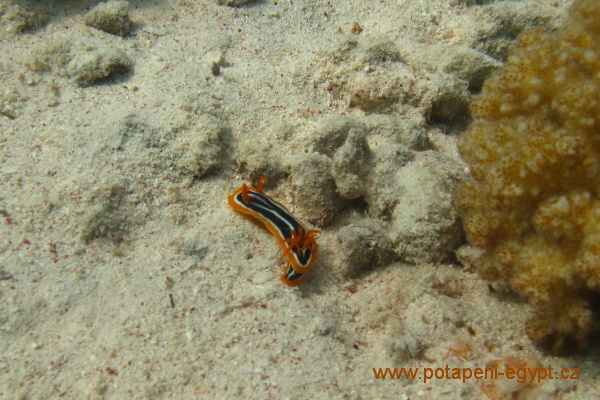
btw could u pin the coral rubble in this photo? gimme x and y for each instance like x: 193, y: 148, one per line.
x: 534, y: 150
x: 111, y: 17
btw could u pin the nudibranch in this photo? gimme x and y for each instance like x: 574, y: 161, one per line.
x: 298, y: 243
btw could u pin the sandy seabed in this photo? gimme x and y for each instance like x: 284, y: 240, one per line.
x: 125, y: 274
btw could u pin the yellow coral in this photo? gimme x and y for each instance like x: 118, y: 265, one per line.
x: 534, y: 149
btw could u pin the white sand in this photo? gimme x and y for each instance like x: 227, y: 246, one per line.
x: 185, y: 302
